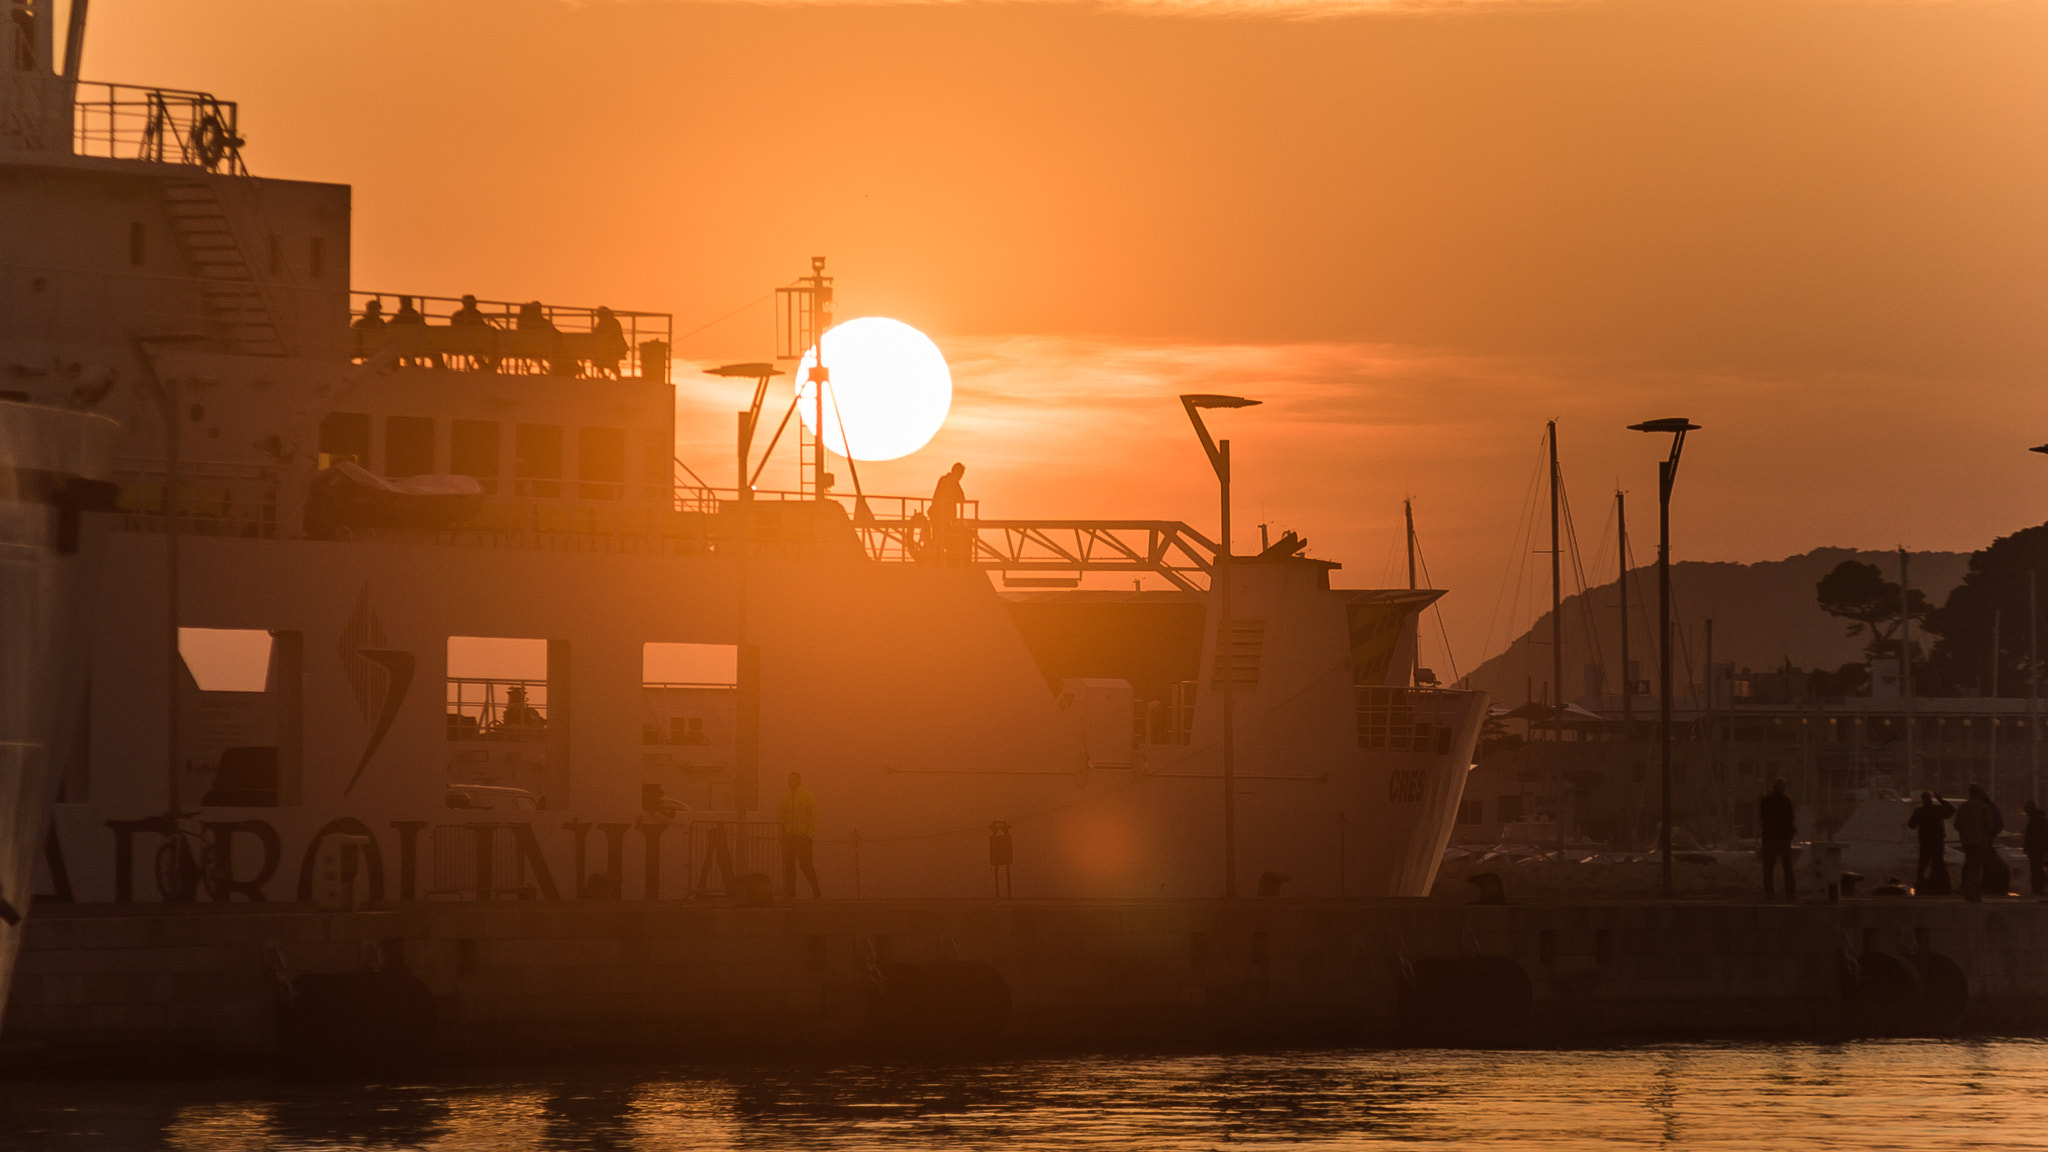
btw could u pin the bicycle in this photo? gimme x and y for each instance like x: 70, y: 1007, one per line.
x: 180, y: 871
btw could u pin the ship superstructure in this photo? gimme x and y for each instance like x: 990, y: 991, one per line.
x: 347, y: 486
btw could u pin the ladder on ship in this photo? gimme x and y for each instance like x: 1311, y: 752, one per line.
x: 234, y: 301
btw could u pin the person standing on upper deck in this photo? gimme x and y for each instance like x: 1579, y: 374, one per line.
x: 947, y: 499
x: 1775, y: 827
x: 799, y: 831
x: 1977, y: 827
x: 1930, y: 877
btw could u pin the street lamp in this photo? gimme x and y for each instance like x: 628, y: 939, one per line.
x: 1667, y: 471
x: 1219, y: 459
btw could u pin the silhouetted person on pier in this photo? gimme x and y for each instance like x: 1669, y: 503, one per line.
x: 1930, y: 878
x: 1977, y: 827
x: 946, y: 501
x: 1775, y: 827
x: 2035, y: 841
x: 468, y: 316
x: 799, y: 831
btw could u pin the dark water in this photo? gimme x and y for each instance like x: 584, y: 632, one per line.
x: 1877, y: 1095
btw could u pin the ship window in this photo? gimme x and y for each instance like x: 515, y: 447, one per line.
x: 601, y: 463
x: 659, y: 468
x: 317, y: 260
x: 243, y: 685
x: 473, y: 451
x: 498, y: 690
x: 537, y: 459
x: 408, y: 445
x: 1471, y: 811
x: 689, y: 699
x: 138, y: 246
x: 344, y: 435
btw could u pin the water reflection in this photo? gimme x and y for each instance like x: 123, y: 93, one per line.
x: 1895, y: 1094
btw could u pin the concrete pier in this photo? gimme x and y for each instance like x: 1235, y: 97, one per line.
x: 590, y: 979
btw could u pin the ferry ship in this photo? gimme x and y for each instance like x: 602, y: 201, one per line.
x: 324, y: 498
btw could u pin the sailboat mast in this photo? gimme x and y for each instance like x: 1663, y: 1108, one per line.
x: 1408, y: 514
x: 1415, y: 656
x: 1556, y: 598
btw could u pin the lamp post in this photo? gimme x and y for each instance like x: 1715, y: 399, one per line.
x: 1219, y: 459
x: 1667, y: 471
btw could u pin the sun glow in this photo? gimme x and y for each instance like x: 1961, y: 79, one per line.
x: 889, y: 393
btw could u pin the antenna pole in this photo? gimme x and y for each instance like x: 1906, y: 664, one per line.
x: 1628, y: 683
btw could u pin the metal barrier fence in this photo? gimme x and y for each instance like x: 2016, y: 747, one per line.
x: 164, y: 125
x: 722, y: 851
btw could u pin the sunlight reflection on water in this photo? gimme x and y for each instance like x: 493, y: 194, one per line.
x: 1876, y: 1095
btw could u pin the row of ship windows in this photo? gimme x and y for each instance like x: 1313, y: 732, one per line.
x: 316, y: 251
x: 413, y: 446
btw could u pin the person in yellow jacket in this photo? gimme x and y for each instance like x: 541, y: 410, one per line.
x: 799, y: 829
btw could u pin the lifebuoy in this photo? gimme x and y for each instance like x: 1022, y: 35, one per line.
x: 211, y: 140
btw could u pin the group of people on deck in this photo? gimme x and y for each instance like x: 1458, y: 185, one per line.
x: 1978, y: 824
x: 603, y: 348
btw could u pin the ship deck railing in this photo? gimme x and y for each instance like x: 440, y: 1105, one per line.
x: 248, y: 500
x: 1404, y: 719
x: 160, y: 125
x: 515, y: 339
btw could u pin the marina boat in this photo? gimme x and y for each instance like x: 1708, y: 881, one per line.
x: 333, y: 504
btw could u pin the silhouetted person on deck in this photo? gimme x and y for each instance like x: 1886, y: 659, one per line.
x: 2035, y: 840
x: 479, y: 339
x: 369, y: 329
x: 946, y: 501
x: 799, y: 830
x: 608, y: 344
x: 1775, y: 827
x: 1930, y: 878
x: 1977, y: 826
x: 408, y: 317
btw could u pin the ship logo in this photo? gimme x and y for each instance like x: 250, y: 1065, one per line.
x: 378, y: 675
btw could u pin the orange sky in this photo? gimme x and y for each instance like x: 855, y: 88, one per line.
x: 1815, y: 227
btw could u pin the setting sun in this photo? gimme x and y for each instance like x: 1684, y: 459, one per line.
x: 890, y: 389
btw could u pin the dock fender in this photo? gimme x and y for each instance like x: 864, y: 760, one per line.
x: 948, y: 1001
x: 1944, y: 988
x: 355, y: 1019
x: 1464, y: 999
x: 1879, y: 984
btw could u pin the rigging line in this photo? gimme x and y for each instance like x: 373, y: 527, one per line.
x: 1438, y: 607
x: 794, y: 400
x: 1587, y: 619
x: 1515, y: 570
x: 692, y: 472
x: 722, y: 319
x: 839, y: 418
